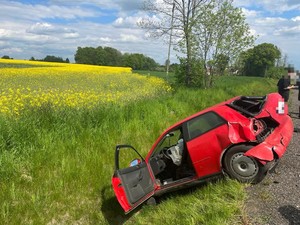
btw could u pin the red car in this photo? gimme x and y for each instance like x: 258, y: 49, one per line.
x: 243, y: 137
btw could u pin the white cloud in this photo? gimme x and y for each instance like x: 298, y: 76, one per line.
x: 5, y: 33
x: 250, y: 13
x: 39, y: 39
x: 129, y: 38
x: 19, y: 11
x: 71, y: 35
x: 270, y: 21
x: 11, y: 50
x: 280, y: 5
x: 130, y: 21
x: 41, y: 28
x: 244, y: 3
x: 123, y: 6
x: 105, y: 39
x: 50, y: 29
x: 296, y: 19
x: 288, y: 31
x: 271, y: 6
x: 119, y: 21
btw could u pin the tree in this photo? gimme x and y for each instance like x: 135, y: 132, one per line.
x: 221, y: 34
x: 258, y: 60
x: 51, y: 58
x: 5, y: 57
x: 108, y: 56
x: 100, y: 56
x: 221, y: 63
x: 176, y: 19
x: 113, y: 57
x: 132, y: 60
x: 148, y: 63
x: 86, y: 55
x: 202, y: 30
x: 139, y: 61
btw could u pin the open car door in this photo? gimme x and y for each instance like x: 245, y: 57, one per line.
x: 132, y: 185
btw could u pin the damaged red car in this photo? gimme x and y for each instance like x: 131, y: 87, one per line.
x: 243, y: 137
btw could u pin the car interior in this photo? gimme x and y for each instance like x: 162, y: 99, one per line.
x: 170, y: 161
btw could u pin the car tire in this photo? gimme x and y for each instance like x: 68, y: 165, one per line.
x: 243, y: 168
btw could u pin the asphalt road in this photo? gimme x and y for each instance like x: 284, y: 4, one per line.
x: 276, y: 200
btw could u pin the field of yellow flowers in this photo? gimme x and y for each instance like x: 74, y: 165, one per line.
x: 26, y: 84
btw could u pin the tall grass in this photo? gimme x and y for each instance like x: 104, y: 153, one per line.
x: 170, y: 77
x: 56, y: 165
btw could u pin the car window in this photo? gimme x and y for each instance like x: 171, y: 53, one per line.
x: 203, y: 123
x: 170, y: 139
x: 126, y: 157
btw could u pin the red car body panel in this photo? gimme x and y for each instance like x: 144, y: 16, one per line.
x: 206, y: 151
x: 120, y: 193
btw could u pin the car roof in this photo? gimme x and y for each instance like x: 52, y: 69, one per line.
x: 218, y: 108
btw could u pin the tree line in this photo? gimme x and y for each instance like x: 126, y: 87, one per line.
x: 51, y: 58
x: 263, y: 60
x: 108, y: 56
x: 48, y: 58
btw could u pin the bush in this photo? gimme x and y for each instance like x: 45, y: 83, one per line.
x: 275, y: 72
x: 197, y: 73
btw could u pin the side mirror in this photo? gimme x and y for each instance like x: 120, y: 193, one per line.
x: 135, y: 162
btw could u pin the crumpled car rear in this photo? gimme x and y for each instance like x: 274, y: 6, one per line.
x: 271, y: 121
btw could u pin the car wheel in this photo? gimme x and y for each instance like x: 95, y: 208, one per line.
x: 243, y: 168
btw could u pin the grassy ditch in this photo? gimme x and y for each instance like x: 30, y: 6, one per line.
x: 56, y: 165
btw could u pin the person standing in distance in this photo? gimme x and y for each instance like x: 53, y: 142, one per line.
x: 297, y: 86
x: 284, y: 86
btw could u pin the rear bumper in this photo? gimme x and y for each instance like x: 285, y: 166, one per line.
x: 275, y: 145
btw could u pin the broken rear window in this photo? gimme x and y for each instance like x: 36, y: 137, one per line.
x: 248, y: 105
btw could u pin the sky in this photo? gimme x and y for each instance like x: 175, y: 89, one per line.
x: 37, y: 28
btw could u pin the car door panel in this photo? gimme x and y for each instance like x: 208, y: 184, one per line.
x: 136, y: 181
x: 205, y: 150
x: 134, y: 184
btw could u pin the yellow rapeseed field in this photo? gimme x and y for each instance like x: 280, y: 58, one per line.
x: 26, y: 84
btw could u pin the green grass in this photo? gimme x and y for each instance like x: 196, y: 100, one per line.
x: 170, y: 77
x: 19, y: 65
x: 56, y: 166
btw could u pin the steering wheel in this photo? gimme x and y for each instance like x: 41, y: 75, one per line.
x: 164, y: 152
